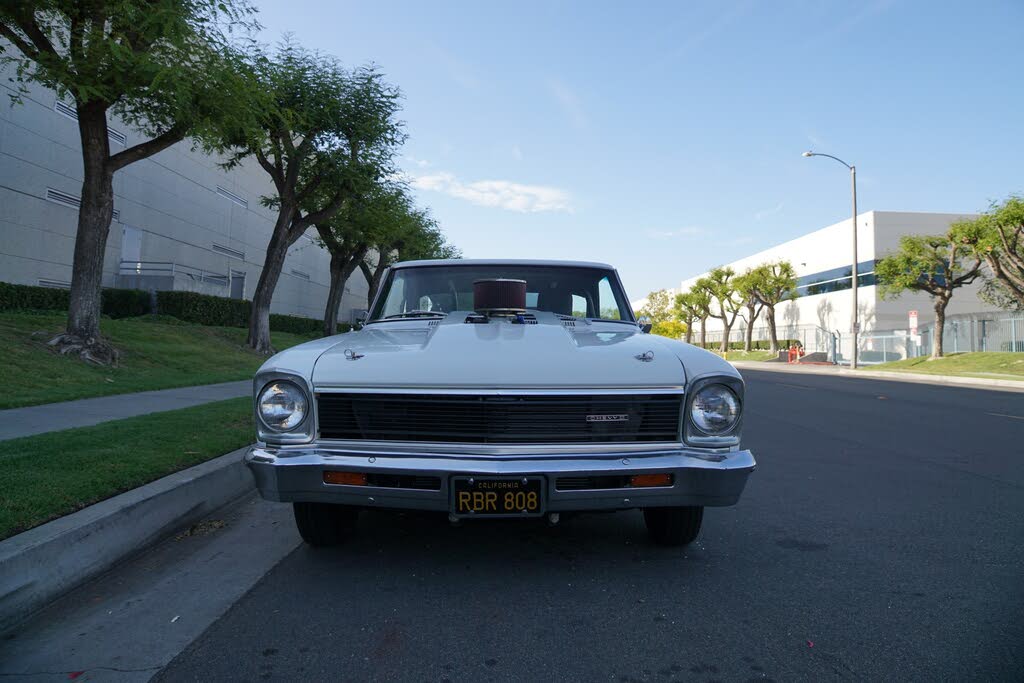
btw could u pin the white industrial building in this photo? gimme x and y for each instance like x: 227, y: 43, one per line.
x: 820, y: 315
x: 180, y: 222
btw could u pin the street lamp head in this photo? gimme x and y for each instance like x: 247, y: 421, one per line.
x: 808, y: 154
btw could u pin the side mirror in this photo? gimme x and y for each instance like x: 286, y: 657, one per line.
x: 645, y: 324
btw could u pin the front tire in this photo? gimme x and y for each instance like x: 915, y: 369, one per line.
x: 674, y: 526
x: 324, y: 524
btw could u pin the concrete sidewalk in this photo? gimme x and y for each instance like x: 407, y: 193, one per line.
x: 913, y: 377
x: 18, y: 422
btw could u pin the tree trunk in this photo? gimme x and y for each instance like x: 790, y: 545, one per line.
x: 940, y: 323
x: 726, y: 329
x: 342, y: 267
x: 748, y: 343
x: 82, y: 335
x: 703, y: 332
x: 689, y: 332
x: 277, y: 250
x: 373, y: 277
x: 772, y: 332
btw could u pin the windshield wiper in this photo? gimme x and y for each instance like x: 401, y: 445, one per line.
x: 415, y: 314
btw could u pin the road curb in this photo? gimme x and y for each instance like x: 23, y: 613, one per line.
x: 39, y: 565
x: 909, y: 377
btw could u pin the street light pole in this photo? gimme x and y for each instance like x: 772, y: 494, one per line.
x: 855, y: 324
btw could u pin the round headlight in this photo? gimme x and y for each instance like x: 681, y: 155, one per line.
x: 282, y: 406
x: 715, y: 409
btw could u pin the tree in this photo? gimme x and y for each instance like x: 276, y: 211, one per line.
x: 349, y: 235
x: 745, y: 284
x: 327, y: 132
x: 415, y: 236
x: 935, y: 264
x: 690, y: 307
x: 165, y: 67
x: 720, y: 285
x: 998, y: 237
x: 658, y: 308
x: 771, y: 284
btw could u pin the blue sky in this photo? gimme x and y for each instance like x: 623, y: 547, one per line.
x: 665, y: 138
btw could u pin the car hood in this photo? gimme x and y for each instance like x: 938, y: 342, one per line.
x: 451, y: 353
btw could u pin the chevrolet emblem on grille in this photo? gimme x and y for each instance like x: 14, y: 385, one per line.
x: 607, y: 418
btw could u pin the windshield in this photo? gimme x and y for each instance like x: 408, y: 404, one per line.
x: 566, y: 290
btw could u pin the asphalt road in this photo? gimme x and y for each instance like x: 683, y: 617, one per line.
x: 880, y: 538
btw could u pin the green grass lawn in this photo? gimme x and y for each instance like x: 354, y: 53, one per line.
x: 157, y: 353
x: 46, y: 476
x: 748, y: 355
x: 988, y: 364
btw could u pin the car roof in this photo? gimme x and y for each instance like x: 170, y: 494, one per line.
x: 501, y: 262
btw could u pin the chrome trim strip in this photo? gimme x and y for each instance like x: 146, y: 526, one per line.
x: 582, y: 392
x: 423, y: 449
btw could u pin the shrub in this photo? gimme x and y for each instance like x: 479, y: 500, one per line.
x: 204, y: 309
x: 116, y: 303
x: 26, y: 298
x: 201, y: 309
x: 126, y: 303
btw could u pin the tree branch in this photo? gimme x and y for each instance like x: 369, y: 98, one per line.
x: 272, y: 170
x: 35, y: 34
x: 19, y: 42
x: 332, y: 207
x: 143, y: 150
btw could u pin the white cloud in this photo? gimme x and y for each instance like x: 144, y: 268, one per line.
x: 501, y: 194
x: 688, y: 231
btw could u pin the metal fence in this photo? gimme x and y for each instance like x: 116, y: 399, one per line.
x: 963, y: 333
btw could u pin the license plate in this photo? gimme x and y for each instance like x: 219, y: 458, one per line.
x: 497, y: 496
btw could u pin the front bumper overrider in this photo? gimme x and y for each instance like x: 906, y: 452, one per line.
x: 699, y: 476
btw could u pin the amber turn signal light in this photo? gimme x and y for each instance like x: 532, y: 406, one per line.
x: 650, y: 480
x: 350, y: 478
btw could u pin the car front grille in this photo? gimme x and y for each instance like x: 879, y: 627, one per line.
x: 500, y: 419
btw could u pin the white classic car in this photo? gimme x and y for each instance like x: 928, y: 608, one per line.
x: 486, y: 388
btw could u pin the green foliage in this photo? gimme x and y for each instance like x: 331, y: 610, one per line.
x: 692, y: 305
x: 201, y: 309
x: 672, y: 329
x: 934, y: 264
x: 720, y: 285
x: 204, y: 309
x: 997, y: 236
x: 298, y: 325
x: 116, y: 303
x: 49, y: 475
x: 156, y: 64
x: 759, y: 345
x: 772, y: 283
x: 157, y: 352
x: 658, y: 308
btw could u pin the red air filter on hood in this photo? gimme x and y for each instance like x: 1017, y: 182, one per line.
x: 499, y: 296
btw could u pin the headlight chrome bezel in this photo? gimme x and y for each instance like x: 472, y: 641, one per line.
x: 303, y: 431
x: 693, y: 434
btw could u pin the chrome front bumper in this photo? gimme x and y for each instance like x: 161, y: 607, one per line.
x: 295, y: 474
